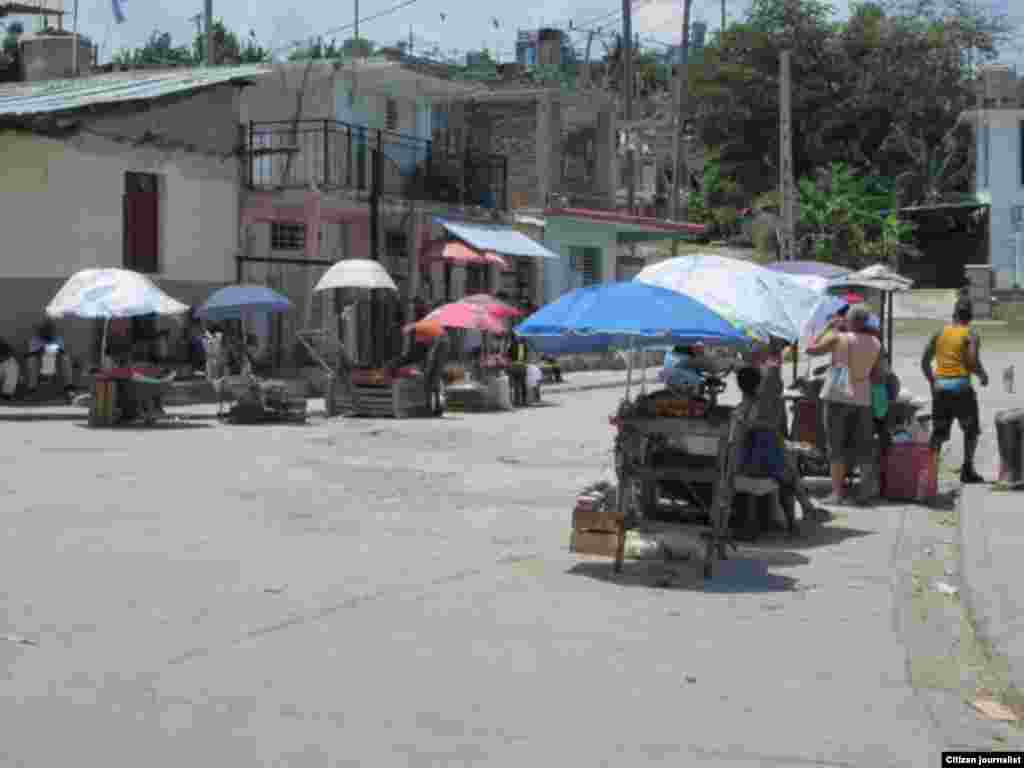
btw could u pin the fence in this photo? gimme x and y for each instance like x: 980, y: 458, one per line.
x: 335, y: 155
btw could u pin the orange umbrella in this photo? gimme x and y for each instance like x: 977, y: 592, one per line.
x: 425, y: 330
x: 453, y: 251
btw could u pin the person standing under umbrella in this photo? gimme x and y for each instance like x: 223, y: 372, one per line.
x: 437, y: 361
x: 847, y: 393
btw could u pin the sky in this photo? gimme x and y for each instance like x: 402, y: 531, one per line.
x: 454, y: 26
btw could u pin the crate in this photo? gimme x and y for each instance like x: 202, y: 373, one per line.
x: 103, y: 411
x: 910, y: 474
x: 596, y: 520
x: 599, y: 543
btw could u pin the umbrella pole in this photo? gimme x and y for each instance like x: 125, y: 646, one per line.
x: 629, y: 369
x: 643, y: 371
x: 103, y: 343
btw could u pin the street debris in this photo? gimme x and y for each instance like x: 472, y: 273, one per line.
x: 509, y: 460
x: 945, y: 589
x: 691, y: 679
x: 19, y: 640
x: 276, y: 589
x: 994, y: 710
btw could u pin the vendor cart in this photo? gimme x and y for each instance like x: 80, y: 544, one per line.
x: 128, y: 395
x: 382, y: 392
x: 658, y: 453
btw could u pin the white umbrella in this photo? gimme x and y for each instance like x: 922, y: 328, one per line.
x: 761, y: 302
x: 101, y: 294
x: 356, y: 273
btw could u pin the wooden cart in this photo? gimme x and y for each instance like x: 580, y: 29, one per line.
x: 677, y: 457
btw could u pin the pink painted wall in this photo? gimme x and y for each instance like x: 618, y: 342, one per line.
x: 359, y: 238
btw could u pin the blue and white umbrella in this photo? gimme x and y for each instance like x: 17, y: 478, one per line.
x: 624, y: 315
x: 237, y: 301
x: 102, y: 294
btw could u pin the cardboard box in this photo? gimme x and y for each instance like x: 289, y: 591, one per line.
x: 605, y: 521
x: 595, y: 543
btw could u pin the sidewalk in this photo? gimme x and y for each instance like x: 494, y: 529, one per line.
x: 581, y: 381
x: 991, y: 546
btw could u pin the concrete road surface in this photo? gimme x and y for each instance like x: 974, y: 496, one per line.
x: 400, y: 593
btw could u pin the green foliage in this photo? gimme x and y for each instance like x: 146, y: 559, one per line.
x: 881, y: 91
x: 849, y: 219
x: 160, y: 50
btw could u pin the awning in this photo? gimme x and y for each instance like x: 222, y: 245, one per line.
x: 501, y: 240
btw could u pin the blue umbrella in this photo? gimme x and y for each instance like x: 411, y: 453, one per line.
x: 236, y: 301
x: 621, y: 315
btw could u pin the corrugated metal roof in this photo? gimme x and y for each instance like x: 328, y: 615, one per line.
x: 502, y: 240
x: 50, y: 96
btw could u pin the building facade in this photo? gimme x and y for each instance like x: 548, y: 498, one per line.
x: 148, y: 182
x: 998, y: 126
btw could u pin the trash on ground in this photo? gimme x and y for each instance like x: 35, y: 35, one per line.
x: 276, y: 589
x: 993, y: 710
x: 945, y: 589
x: 19, y: 640
x: 691, y: 679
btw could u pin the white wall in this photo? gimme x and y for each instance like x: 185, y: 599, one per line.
x: 1005, y: 185
x: 61, y: 208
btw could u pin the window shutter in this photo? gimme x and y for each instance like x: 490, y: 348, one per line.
x: 127, y: 230
x: 591, y: 266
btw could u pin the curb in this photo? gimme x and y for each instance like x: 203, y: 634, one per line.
x: 978, y: 595
x: 41, y: 415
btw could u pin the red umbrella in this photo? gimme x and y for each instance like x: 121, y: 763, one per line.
x: 473, y: 317
x: 425, y: 330
x: 455, y: 252
x: 496, y: 307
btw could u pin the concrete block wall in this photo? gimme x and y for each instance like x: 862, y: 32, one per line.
x: 513, y: 133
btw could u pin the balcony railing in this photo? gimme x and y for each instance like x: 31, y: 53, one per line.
x: 335, y: 155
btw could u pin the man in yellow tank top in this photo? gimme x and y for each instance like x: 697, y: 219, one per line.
x: 955, y: 351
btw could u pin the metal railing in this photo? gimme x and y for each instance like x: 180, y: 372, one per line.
x: 335, y: 155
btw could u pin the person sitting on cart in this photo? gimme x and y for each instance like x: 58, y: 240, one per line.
x: 770, y: 416
x: 682, y: 367
x: 10, y: 371
x: 757, y: 450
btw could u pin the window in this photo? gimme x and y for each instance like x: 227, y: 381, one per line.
x: 586, y: 261
x: 984, y: 155
x: 396, y: 248
x: 140, y: 222
x: 287, y: 236
x: 391, y: 114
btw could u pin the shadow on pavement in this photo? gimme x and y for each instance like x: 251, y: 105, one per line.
x: 734, y: 576
x: 160, y: 426
x: 813, y: 536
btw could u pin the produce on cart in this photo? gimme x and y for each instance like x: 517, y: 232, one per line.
x: 636, y: 315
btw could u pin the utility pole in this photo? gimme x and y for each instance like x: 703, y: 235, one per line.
x: 410, y: 40
x: 210, y: 54
x: 198, y: 21
x: 723, y: 16
x: 680, y: 91
x: 586, y: 59
x: 74, y: 42
x: 627, y: 89
x: 788, y: 225
x: 356, y: 25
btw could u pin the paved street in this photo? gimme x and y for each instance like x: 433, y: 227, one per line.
x: 379, y: 593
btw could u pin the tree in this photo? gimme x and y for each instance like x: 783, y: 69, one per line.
x: 850, y: 219
x: 14, y: 31
x: 159, y: 50
x: 881, y: 92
